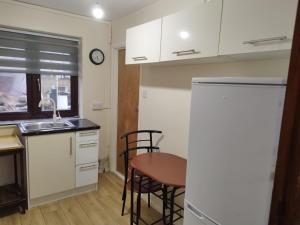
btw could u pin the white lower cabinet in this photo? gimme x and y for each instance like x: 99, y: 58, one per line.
x: 59, y: 163
x: 51, y: 164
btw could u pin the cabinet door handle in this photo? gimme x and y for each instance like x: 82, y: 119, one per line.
x: 186, y: 52
x: 265, y: 40
x: 71, y: 146
x: 88, y: 167
x: 85, y: 134
x: 88, y: 145
x: 140, y: 58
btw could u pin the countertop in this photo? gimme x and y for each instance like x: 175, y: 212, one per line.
x: 79, y: 125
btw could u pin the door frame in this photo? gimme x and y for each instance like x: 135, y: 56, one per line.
x: 288, y: 162
x: 114, y: 107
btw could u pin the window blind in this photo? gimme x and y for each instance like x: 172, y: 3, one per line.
x: 34, y: 54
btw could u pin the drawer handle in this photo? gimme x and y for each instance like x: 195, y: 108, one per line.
x: 84, y: 168
x: 187, y: 52
x: 91, y: 133
x: 195, y: 212
x: 199, y: 215
x: 88, y: 145
x: 265, y: 40
x: 140, y: 58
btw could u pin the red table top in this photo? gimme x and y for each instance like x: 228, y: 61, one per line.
x: 165, y: 168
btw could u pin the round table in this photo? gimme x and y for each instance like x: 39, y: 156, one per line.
x: 168, y: 169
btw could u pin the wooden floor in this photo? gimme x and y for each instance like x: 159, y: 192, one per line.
x: 102, y: 207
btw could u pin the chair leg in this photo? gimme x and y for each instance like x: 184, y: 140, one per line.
x: 149, y: 200
x: 149, y: 193
x: 124, y: 198
x: 132, y: 198
x: 123, y: 206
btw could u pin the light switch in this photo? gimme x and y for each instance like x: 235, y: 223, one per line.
x: 97, y: 105
x: 145, y: 93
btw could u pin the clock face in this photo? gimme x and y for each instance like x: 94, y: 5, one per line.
x: 97, y: 56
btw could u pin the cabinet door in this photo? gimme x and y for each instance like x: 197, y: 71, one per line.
x: 143, y: 43
x: 51, y: 164
x: 192, y: 33
x: 257, y: 25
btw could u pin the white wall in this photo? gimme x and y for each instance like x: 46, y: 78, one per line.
x: 95, y: 80
x: 168, y: 88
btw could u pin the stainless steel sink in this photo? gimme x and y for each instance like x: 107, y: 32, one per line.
x: 45, y: 125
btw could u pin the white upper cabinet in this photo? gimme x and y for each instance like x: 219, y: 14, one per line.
x: 257, y: 25
x: 192, y: 33
x: 143, y: 43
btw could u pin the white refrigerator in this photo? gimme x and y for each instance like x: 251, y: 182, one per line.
x: 233, y: 143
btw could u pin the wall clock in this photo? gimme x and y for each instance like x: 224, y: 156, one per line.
x: 97, y: 56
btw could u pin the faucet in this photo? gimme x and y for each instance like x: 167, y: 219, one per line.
x: 48, y: 101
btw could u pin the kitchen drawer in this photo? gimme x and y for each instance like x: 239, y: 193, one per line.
x: 86, y: 174
x: 87, y: 152
x: 87, y: 135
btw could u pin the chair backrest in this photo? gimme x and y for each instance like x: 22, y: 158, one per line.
x: 133, y: 143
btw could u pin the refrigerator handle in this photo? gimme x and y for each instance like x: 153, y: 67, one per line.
x: 195, y: 211
x: 198, y: 214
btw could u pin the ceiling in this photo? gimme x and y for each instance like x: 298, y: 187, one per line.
x: 113, y: 9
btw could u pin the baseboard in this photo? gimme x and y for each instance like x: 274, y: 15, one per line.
x: 62, y: 195
x: 118, y: 174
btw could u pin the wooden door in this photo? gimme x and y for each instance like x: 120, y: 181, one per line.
x: 128, y: 101
x: 285, y: 208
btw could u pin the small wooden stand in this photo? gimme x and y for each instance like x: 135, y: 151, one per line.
x: 13, y: 195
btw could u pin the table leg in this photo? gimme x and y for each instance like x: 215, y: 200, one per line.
x: 165, y: 203
x: 168, y: 206
x: 132, y: 197
x: 172, y: 200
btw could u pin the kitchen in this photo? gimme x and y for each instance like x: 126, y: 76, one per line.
x: 164, y: 92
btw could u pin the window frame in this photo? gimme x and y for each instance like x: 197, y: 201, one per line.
x: 33, y: 99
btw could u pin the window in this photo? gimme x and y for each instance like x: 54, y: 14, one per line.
x: 13, y: 93
x: 33, y: 67
x: 59, y: 89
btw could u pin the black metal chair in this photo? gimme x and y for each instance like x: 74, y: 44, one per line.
x: 131, y: 139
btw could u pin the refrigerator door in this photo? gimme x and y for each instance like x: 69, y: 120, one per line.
x: 234, y: 133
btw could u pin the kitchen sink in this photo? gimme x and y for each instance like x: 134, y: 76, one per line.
x: 49, y: 125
